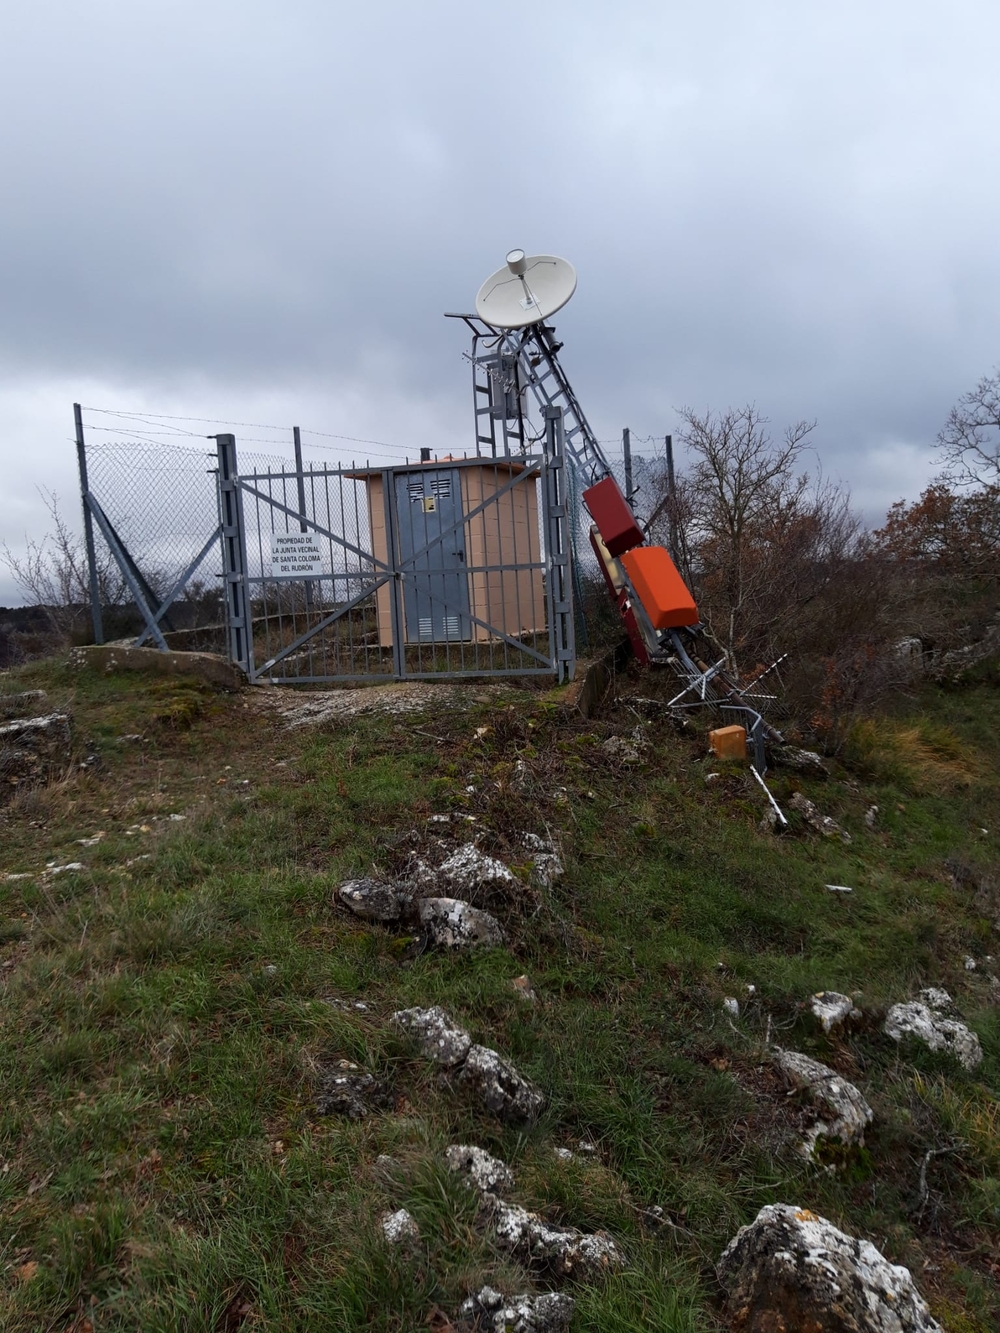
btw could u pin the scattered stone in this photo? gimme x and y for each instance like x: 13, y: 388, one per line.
x: 564, y: 1154
x: 791, y: 1269
x: 348, y: 1091
x: 385, y: 1166
x: 802, y: 761
x: 399, y: 1228
x: 871, y: 816
x: 504, y: 1091
x: 821, y: 823
x: 440, y: 1040
x: 372, y: 900
x: 565, y: 1250
x: 489, y: 1312
x: 16, y: 705
x: 469, y: 869
x: 768, y: 820
x: 847, y: 1111
x: 523, y: 989
x: 970, y: 963
x: 623, y: 750
x: 931, y: 1018
x: 732, y: 1006
x: 68, y: 867
x: 131, y: 738
x: 487, y: 1174
x: 546, y: 863
x: 453, y: 924
x: 832, y: 1008
x: 839, y: 888
x: 33, y: 750
x: 89, y: 842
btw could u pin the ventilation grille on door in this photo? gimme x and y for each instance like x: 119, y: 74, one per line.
x: 415, y: 489
x: 451, y: 628
x: 441, y: 487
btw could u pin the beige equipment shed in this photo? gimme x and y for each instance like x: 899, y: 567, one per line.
x: 483, y: 577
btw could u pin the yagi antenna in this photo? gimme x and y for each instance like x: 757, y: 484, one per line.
x: 529, y: 288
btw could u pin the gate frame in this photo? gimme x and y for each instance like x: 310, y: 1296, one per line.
x: 549, y: 467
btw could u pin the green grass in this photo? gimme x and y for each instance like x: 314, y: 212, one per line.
x: 165, y: 1022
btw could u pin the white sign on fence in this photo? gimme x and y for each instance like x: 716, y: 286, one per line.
x: 295, y: 555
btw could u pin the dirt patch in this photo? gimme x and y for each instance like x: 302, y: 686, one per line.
x: 297, y: 709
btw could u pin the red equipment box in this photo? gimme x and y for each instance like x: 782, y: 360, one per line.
x: 659, y: 587
x: 615, y: 521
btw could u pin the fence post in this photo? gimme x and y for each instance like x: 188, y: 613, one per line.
x: 558, y: 548
x: 301, y: 482
x: 627, y: 451
x: 88, y: 529
x: 234, y: 557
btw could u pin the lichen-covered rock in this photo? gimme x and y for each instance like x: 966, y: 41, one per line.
x: 487, y: 1174
x: 791, y: 1271
x: 821, y: 823
x: 564, y: 1250
x: 623, y: 749
x: 801, y: 761
x: 845, y: 1113
x: 502, y: 1090
x: 399, y: 1228
x: 546, y: 863
x: 373, y: 900
x: 453, y: 924
x: 439, y: 1038
x: 832, y: 1009
x: 931, y: 1019
x: 469, y: 869
x: 348, y: 1091
x: 489, y: 1312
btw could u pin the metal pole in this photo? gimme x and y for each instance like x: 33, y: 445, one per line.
x: 234, y: 558
x: 88, y: 528
x: 300, y: 478
x: 671, y: 497
x: 627, y: 451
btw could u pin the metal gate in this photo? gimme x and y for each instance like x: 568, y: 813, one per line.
x: 455, y: 568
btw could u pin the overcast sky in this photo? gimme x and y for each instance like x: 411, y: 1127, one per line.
x: 259, y: 211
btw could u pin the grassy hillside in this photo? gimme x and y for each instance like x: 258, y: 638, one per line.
x: 167, y: 1012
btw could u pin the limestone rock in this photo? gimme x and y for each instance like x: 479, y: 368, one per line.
x: 931, y: 1018
x: 845, y: 1113
x: 487, y: 1174
x: 490, y: 1312
x: 399, y: 1228
x: 565, y: 1250
x: 623, y: 749
x: 821, y: 823
x: 793, y: 1270
x: 801, y: 761
x: 348, y: 1091
x: 453, y: 924
x: 832, y: 1008
x: 469, y: 869
x: 372, y: 900
x: 503, y: 1091
x: 20, y: 704
x: 33, y: 749
x: 440, y: 1040
x: 546, y: 863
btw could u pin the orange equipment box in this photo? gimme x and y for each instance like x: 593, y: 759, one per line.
x: 615, y: 520
x: 659, y: 587
x: 728, y: 742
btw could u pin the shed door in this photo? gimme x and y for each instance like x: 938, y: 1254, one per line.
x: 436, y: 582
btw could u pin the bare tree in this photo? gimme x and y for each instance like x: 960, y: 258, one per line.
x: 53, y: 572
x: 970, y: 439
x: 744, y: 502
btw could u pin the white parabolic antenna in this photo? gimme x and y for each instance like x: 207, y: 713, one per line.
x: 527, y: 289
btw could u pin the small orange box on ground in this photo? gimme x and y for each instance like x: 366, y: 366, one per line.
x: 659, y: 587
x: 728, y: 742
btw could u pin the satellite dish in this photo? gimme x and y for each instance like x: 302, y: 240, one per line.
x: 529, y: 288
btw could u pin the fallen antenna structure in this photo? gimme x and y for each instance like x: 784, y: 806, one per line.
x: 515, y: 358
